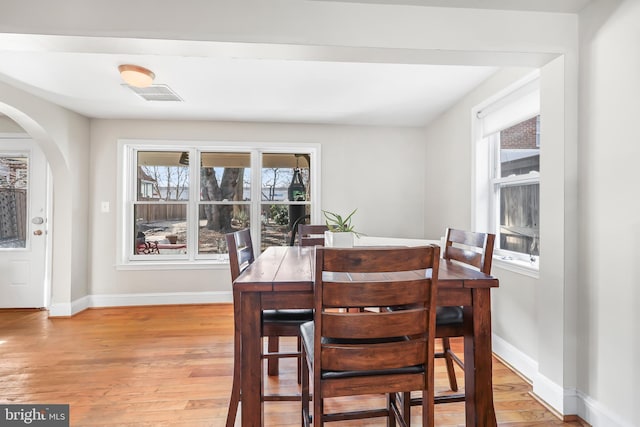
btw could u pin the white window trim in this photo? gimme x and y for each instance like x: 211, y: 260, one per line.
x: 482, y: 191
x: 126, y: 158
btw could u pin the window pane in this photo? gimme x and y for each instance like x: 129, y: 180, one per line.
x: 225, y: 176
x: 14, y: 172
x: 285, y: 177
x: 520, y: 148
x: 215, y: 221
x: 276, y: 223
x: 519, y: 213
x: 163, y: 175
x: 160, y: 228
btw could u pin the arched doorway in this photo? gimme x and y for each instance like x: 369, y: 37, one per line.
x: 24, y: 214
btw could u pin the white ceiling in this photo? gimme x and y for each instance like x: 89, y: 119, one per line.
x: 80, y: 73
x: 561, y: 6
x: 246, y: 89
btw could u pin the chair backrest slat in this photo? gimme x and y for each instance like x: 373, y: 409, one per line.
x: 309, y: 234
x: 241, y: 254
x: 357, y: 294
x: 471, y: 248
x: 365, y: 325
x: 375, y: 277
x: 376, y: 259
x: 387, y: 356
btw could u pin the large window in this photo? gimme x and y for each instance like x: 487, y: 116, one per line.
x: 507, y: 152
x: 180, y: 201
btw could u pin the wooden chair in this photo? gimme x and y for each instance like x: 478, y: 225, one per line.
x: 473, y: 249
x: 372, y: 351
x: 275, y: 323
x: 308, y: 234
x: 294, y: 228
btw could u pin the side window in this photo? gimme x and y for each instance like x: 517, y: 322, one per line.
x: 507, y: 174
x: 516, y: 186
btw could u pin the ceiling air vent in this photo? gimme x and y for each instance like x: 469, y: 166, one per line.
x: 155, y: 93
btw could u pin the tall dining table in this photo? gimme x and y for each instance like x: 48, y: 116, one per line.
x: 282, y: 277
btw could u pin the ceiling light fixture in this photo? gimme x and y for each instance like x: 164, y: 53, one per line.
x: 135, y: 75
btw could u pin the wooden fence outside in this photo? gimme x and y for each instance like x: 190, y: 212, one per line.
x: 13, y: 214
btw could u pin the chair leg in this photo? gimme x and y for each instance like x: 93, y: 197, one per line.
x: 446, y: 349
x: 318, y: 407
x: 406, y: 407
x: 233, y: 403
x: 300, y: 360
x: 392, y: 406
x: 273, y: 346
x: 304, y: 374
x: 235, y: 387
x: 428, y: 416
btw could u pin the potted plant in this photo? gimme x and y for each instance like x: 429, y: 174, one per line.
x: 341, y: 231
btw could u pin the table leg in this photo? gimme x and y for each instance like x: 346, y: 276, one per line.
x: 478, y: 360
x: 252, y: 387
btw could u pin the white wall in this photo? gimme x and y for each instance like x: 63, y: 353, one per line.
x: 576, y: 330
x: 375, y: 169
x: 609, y: 233
x: 524, y: 308
x: 449, y: 140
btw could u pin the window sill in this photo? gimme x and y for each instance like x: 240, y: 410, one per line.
x: 526, y: 268
x: 207, y: 264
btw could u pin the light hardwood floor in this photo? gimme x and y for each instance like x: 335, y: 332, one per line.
x: 171, y: 366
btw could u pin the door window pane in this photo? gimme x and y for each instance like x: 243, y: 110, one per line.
x: 14, y: 173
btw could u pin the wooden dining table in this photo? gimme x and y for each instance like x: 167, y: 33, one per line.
x: 282, y: 278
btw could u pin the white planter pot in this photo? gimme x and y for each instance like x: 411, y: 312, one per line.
x: 338, y: 240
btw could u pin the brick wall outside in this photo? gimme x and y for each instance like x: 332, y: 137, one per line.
x: 522, y: 135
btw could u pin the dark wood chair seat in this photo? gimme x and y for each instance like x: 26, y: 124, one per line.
x: 449, y: 315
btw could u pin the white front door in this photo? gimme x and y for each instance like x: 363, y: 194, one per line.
x: 23, y: 224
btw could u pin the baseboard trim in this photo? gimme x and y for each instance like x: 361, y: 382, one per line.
x: 524, y: 365
x: 124, y: 300
x: 594, y: 413
x: 567, y: 404
x: 128, y: 300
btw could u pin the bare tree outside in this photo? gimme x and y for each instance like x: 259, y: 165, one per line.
x: 170, y: 182
x: 228, y: 188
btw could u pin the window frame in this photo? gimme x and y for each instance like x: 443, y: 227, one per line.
x: 127, y: 149
x: 486, y: 182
